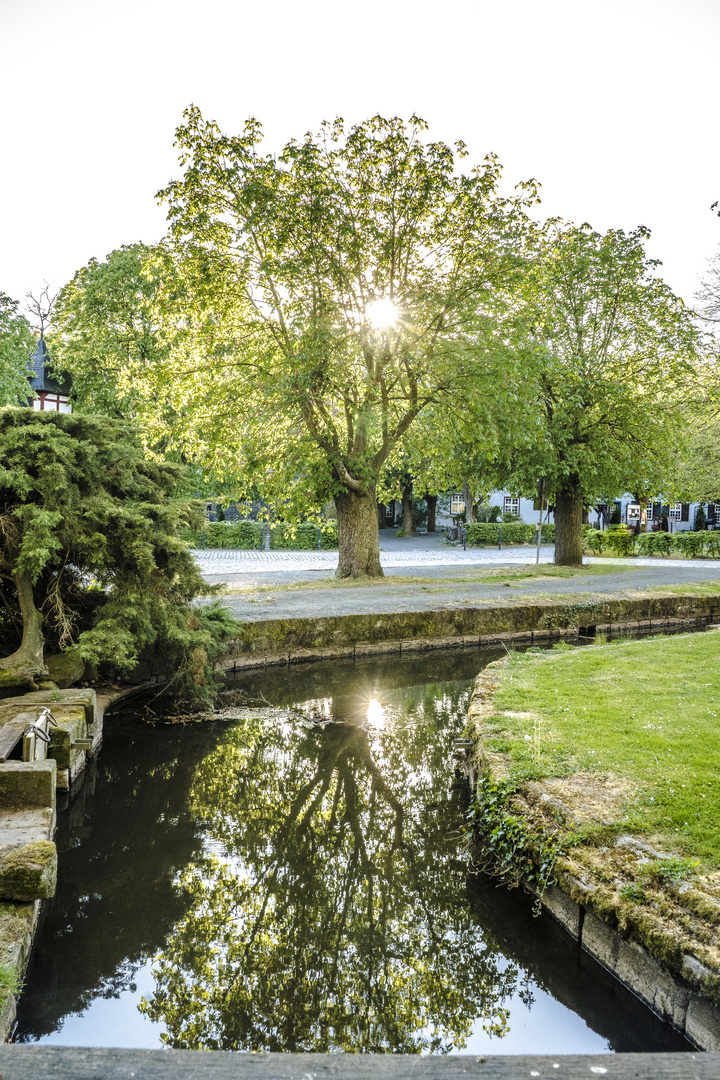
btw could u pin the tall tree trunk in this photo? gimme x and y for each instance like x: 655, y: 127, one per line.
x: 431, y: 501
x: 22, y: 666
x: 358, y: 537
x: 407, y: 508
x: 568, y: 528
x: 469, y: 500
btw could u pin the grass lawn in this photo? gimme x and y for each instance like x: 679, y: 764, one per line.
x: 646, y: 712
x: 491, y: 575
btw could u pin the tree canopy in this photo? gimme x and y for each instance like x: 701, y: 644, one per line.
x: 17, y: 343
x: 611, y: 355
x: 310, y: 307
x: 89, y: 549
x: 105, y: 330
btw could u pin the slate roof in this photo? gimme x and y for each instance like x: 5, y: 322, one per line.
x: 43, y: 377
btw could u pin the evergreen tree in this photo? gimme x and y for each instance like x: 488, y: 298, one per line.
x: 90, y: 553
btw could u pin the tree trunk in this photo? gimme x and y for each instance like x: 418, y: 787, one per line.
x: 469, y: 500
x: 22, y: 666
x: 568, y: 528
x: 431, y: 501
x: 407, y: 509
x: 358, y: 537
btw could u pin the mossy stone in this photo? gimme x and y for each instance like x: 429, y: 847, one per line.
x: 66, y: 668
x: 29, y: 872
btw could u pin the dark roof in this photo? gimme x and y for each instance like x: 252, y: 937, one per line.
x: 43, y: 376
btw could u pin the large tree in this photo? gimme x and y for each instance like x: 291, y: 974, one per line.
x: 89, y: 550
x: 610, y: 357
x: 327, y: 297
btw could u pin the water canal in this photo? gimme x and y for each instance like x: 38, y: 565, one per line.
x: 295, y: 879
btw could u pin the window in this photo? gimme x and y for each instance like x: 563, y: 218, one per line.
x: 511, y: 505
x: 676, y: 512
x: 649, y: 512
x: 457, y: 504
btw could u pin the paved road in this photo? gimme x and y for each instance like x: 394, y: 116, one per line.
x: 446, y: 568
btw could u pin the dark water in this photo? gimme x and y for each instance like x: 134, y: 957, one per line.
x: 268, y: 883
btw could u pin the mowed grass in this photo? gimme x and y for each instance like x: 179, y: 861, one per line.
x: 647, y: 711
x: 491, y: 576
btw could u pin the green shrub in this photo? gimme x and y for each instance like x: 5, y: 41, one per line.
x: 689, y: 544
x: 594, y: 541
x: 548, y: 533
x: 238, y: 535
x: 620, y: 541
x: 513, y: 532
x: 482, y: 532
x: 244, y: 535
x: 193, y: 537
x: 712, y: 540
x: 286, y: 536
x: 658, y: 543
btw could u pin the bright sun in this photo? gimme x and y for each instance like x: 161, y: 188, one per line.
x: 382, y: 313
x: 375, y: 713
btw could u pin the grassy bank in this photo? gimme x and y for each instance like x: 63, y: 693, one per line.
x: 491, y: 575
x: 645, y: 713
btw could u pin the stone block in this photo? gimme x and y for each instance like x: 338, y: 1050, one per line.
x: 66, y: 668
x: 71, y: 725
x: 414, y: 645
x: 299, y: 656
x: 635, y: 967
x: 25, y: 826
x: 545, y: 635
x: 53, y: 699
x: 337, y: 652
x: 29, y: 872
x: 28, y: 783
x: 702, y: 1024
x: 375, y: 648
x: 563, y: 910
x: 275, y: 659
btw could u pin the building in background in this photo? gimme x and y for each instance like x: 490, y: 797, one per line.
x: 51, y: 392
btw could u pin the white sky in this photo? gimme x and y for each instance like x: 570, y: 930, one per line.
x: 611, y: 104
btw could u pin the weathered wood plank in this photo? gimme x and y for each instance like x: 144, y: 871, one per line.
x: 10, y: 736
x: 71, y: 1063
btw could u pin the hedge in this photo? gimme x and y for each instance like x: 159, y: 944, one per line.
x: 623, y: 542
x: 513, y: 532
x: 303, y: 537
x: 249, y: 535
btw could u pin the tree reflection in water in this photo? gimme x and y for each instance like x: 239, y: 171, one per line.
x: 330, y: 912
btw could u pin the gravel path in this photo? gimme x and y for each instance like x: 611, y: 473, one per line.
x: 424, y: 557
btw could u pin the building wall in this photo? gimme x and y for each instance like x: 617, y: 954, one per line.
x: 525, y: 508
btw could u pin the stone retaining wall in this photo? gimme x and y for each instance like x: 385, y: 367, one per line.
x: 282, y: 641
x: 664, y: 959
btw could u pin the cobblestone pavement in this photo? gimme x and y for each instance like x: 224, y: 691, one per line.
x: 219, y: 562
x: 249, y: 562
